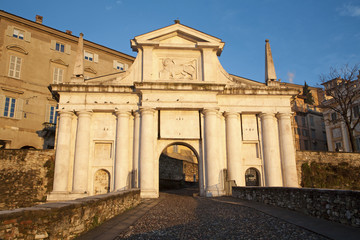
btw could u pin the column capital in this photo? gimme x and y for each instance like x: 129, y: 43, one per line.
x: 122, y: 113
x: 264, y: 115
x: 65, y: 113
x: 210, y: 111
x: 84, y: 112
x: 284, y: 115
x: 231, y: 114
x: 147, y: 110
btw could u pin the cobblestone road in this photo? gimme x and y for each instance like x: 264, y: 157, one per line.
x: 181, y: 216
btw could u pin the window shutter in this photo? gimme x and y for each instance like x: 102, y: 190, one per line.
x: 19, y: 108
x: 53, y: 44
x: 47, y: 113
x: 96, y: 58
x: 27, y: 36
x: 114, y: 64
x: 18, y: 67
x: 60, y: 78
x: 2, y: 104
x: 67, y: 49
x: 55, y: 79
x: 9, y: 31
x: 126, y: 67
x: 12, y: 66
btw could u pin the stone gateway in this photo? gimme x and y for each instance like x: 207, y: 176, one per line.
x: 113, y: 129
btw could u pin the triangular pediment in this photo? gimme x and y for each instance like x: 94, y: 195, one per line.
x: 177, y: 34
x: 89, y: 70
x: 178, y: 37
x: 59, y: 61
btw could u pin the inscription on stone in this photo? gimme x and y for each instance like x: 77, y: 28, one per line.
x: 179, y: 124
x: 249, y: 127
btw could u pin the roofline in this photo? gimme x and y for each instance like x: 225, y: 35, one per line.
x: 302, y: 85
x: 61, y: 33
x: 245, y: 78
x: 182, y: 25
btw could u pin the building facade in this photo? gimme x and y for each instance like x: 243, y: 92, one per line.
x: 175, y: 93
x: 32, y: 57
x: 338, y: 137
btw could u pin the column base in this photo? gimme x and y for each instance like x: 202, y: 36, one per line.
x: 149, y: 193
x: 214, y: 192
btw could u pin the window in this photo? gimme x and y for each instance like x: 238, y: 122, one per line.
x: 303, y: 120
x: 311, y: 121
x: 306, y: 144
x: 313, y: 136
x: 356, y: 111
x: 52, y: 114
x: 15, y: 66
x: 89, y: 56
x: 58, y: 75
x: 120, y: 66
x: 338, y: 147
x: 305, y: 133
x: 358, y: 143
x: 18, y: 34
x: 60, y: 47
x: 9, y: 109
x: 333, y: 116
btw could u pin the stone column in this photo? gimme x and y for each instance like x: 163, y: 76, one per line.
x: 136, y: 145
x: 122, y: 174
x: 62, y: 157
x: 147, y: 181
x: 329, y: 139
x: 233, y: 148
x: 273, y: 176
x: 82, y: 148
x: 345, y: 137
x: 212, y: 169
x: 287, y: 151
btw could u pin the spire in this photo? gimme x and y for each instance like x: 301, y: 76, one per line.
x: 78, y: 75
x: 270, y: 74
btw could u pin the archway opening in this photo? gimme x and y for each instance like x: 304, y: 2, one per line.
x: 252, y: 177
x: 101, y: 182
x: 178, y: 168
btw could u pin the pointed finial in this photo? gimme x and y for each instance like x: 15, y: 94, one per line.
x: 177, y: 21
x: 270, y: 74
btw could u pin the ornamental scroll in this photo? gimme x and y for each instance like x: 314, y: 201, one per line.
x: 181, y: 69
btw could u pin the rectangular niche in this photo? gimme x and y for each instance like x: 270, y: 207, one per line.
x: 249, y: 127
x: 102, y: 153
x: 179, y: 124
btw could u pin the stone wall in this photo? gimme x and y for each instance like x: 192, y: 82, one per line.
x: 335, y: 205
x: 335, y: 170
x: 26, y: 176
x: 65, y: 220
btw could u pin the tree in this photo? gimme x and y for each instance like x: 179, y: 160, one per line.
x: 309, y: 99
x: 342, y: 90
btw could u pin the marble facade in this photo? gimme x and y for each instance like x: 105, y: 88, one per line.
x: 175, y: 92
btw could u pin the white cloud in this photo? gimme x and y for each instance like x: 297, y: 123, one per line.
x: 108, y: 8
x: 119, y: 2
x: 291, y: 77
x: 349, y: 10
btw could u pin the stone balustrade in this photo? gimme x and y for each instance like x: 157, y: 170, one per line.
x: 65, y: 220
x: 341, y: 206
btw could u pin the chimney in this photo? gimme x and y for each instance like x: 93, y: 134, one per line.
x: 68, y: 32
x: 38, y: 19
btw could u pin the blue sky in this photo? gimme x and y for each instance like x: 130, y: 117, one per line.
x: 307, y: 37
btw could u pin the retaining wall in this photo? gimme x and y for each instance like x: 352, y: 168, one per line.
x: 65, y: 220
x: 341, y: 206
x: 26, y: 176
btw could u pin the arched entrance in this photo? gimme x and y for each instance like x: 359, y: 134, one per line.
x: 252, y: 177
x: 178, y: 167
x: 101, y: 182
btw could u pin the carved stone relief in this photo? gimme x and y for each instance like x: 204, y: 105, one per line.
x: 177, y: 69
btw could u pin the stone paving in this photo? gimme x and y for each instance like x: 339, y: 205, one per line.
x: 179, y: 215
